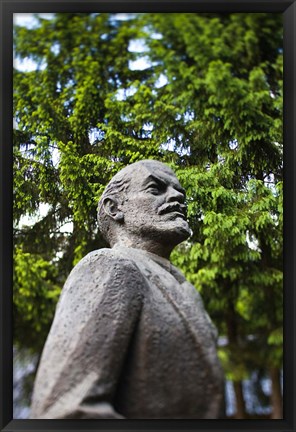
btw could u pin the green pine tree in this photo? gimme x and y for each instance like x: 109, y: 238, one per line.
x: 209, y: 103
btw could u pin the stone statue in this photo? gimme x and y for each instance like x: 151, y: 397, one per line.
x: 131, y: 338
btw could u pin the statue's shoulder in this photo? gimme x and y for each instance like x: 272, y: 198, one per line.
x: 105, y: 260
x: 103, y: 268
x: 98, y: 255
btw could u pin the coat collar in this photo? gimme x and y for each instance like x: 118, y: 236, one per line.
x: 163, y: 262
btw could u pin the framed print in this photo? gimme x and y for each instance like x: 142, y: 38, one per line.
x: 147, y: 215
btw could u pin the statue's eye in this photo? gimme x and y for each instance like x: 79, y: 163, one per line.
x: 154, y: 189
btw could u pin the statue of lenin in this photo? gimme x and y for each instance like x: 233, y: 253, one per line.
x: 131, y: 338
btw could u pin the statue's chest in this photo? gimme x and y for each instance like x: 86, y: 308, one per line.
x: 173, y: 312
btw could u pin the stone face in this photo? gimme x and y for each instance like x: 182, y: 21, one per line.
x: 130, y: 337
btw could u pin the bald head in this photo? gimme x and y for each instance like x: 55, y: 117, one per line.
x: 121, y: 181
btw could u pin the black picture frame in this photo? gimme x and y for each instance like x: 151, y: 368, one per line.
x: 7, y: 9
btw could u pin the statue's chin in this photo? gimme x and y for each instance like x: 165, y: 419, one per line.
x: 182, y: 234
x: 173, y: 232
x: 167, y: 233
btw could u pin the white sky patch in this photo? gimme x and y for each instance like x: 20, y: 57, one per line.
x: 270, y: 179
x: 123, y: 16
x: 252, y: 242
x: 162, y: 81
x: 15, y: 124
x: 154, y: 35
x: 188, y: 116
x: 157, y: 36
x: 95, y: 134
x: 67, y: 227
x: 47, y: 16
x: 27, y: 65
x: 148, y: 126
x: 140, y: 64
x: 31, y: 220
x: 28, y: 19
x: 169, y: 145
x: 138, y: 46
x: 55, y: 157
x: 122, y: 94
x: 280, y: 145
x: 25, y: 20
x: 55, y: 48
x: 233, y: 144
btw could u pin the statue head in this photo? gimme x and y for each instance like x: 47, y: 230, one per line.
x: 143, y: 206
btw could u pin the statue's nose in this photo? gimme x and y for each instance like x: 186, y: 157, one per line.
x: 174, y: 195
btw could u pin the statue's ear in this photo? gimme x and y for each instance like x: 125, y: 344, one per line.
x: 111, y: 208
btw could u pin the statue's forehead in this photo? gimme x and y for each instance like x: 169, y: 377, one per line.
x: 152, y: 171
x: 157, y: 169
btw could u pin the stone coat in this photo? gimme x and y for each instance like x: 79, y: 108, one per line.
x: 131, y: 339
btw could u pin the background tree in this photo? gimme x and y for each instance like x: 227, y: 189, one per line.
x: 207, y: 100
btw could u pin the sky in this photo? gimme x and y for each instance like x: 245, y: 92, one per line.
x: 28, y: 20
x: 137, y: 45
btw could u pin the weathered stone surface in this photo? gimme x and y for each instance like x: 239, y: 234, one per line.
x: 130, y: 337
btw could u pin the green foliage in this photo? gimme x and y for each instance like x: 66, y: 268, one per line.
x: 209, y: 103
x: 35, y: 295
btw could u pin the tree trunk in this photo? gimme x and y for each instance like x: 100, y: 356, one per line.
x: 276, y: 393
x: 239, y: 399
x: 232, y: 335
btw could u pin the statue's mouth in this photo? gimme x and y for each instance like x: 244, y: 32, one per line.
x: 177, y: 208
